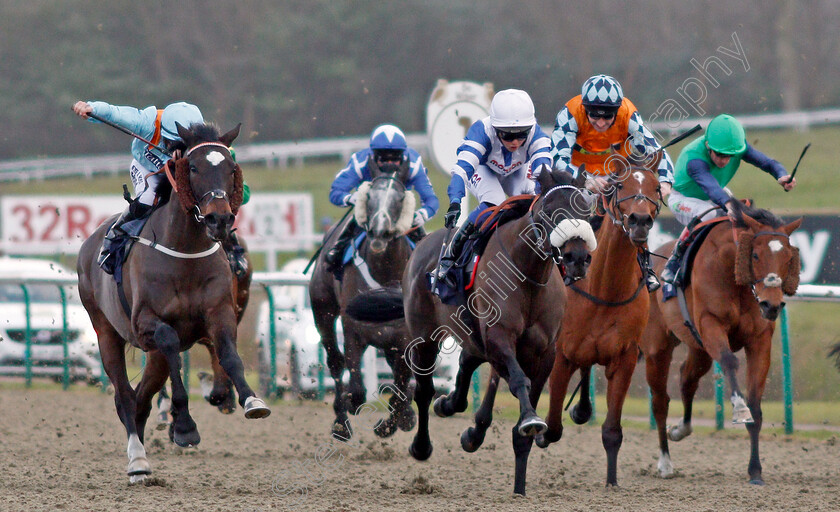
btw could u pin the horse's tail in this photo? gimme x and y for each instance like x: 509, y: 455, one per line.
x: 835, y: 353
x: 378, y: 305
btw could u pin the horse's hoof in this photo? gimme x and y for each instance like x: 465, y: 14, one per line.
x: 757, y: 481
x: 342, y: 431
x: 139, y: 467
x: 420, y: 454
x: 186, y: 439
x: 580, y: 415
x: 137, y: 479
x: 407, y: 420
x: 385, y: 428
x: 665, y: 468
x: 742, y: 417
x: 255, y: 408
x: 227, y: 408
x: 440, y: 407
x: 162, y: 421
x: 468, y: 443
x: 545, y: 439
x: 680, y: 432
x: 532, y: 426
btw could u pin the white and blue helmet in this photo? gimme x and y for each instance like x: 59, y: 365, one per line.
x: 602, y: 92
x: 182, y: 113
x: 388, y: 137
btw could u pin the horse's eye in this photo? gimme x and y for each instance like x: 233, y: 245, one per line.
x: 755, y: 256
x: 193, y: 169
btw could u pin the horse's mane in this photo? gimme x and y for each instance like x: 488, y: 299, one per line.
x: 759, y: 214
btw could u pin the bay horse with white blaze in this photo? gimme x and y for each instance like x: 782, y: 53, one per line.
x: 384, y: 209
x: 737, y: 284
x: 510, y: 315
x: 607, y: 310
x: 177, y: 290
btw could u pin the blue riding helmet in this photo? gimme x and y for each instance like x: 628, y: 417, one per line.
x: 182, y: 113
x: 388, y: 136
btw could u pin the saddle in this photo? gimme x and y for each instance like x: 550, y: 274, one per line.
x: 695, y: 239
x: 453, y: 288
x: 121, y: 245
x: 351, y: 253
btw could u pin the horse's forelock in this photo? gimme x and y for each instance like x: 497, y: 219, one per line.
x: 206, y: 132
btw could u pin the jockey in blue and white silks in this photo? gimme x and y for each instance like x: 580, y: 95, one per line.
x: 388, y: 150
x: 498, y: 158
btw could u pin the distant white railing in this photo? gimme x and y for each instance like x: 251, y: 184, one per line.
x: 282, y: 154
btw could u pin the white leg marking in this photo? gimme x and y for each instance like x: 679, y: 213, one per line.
x: 680, y: 431
x: 666, y: 469
x: 740, y: 412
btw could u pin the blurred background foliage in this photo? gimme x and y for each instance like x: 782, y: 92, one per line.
x: 302, y: 69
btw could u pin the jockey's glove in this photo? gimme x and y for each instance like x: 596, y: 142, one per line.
x: 420, y: 217
x: 452, y: 214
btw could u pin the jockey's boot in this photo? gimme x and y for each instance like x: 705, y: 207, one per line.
x: 236, y: 255
x: 416, y: 234
x: 651, y: 281
x: 453, y: 250
x: 672, y: 266
x: 334, y: 255
x: 134, y: 211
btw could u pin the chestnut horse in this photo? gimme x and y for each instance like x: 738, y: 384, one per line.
x: 735, y: 293
x: 177, y: 290
x: 384, y: 209
x: 511, y: 315
x: 607, y: 311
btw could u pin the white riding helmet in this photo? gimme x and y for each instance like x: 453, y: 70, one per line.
x: 182, y: 113
x: 512, y: 108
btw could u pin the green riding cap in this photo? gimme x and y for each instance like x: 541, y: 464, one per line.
x: 726, y: 136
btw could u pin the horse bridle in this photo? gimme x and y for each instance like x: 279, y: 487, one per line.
x: 613, y: 203
x: 769, y: 282
x: 394, y: 179
x: 211, y: 194
x: 556, y: 256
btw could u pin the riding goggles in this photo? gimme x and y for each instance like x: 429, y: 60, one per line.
x: 510, y: 136
x: 388, y: 155
x: 600, y: 114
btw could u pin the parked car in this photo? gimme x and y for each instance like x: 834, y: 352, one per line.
x: 46, y: 324
x: 299, y: 370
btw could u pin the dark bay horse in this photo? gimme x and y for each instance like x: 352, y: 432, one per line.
x: 222, y: 394
x: 177, y: 289
x: 384, y: 209
x: 512, y: 312
x: 735, y: 294
x: 607, y: 310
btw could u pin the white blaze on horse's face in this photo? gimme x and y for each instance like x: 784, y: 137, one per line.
x: 640, y: 177
x: 775, y: 245
x: 215, y: 158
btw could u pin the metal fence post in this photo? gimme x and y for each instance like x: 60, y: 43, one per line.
x: 27, y: 355
x: 718, y: 396
x: 787, y: 380
x: 593, y: 379
x: 65, y: 363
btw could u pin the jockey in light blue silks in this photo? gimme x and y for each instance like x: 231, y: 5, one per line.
x: 158, y: 126
x: 496, y: 160
x: 388, y: 151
